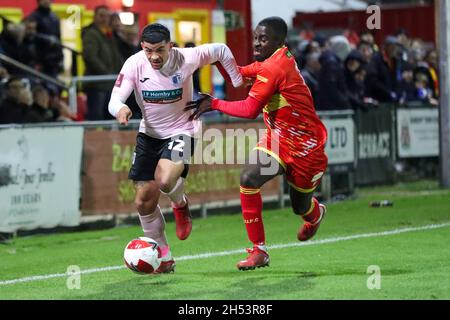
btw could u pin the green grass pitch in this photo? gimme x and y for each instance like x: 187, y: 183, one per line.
x: 413, y: 258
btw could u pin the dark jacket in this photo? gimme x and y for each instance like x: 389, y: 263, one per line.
x: 312, y: 82
x: 50, y: 52
x: 101, y: 56
x: 333, y: 93
x: 380, y: 80
x: 13, y: 112
x: 37, y: 113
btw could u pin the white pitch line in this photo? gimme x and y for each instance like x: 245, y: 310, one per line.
x: 231, y: 252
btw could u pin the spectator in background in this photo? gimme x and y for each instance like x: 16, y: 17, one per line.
x: 195, y: 75
x: 61, y: 109
x: 40, y: 110
x: 354, y: 71
x: 48, y: 39
x: 11, y: 40
x: 333, y: 93
x: 432, y: 62
x: 116, y: 24
x: 402, y: 37
x: 368, y: 37
x: 101, y: 57
x: 15, y: 107
x: 406, y: 88
x: 381, y: 80
x: 304, y: 49
x: 29, y: 45
x: 310, y: 73
x: 366, y: 50
x: 18, y: 42
x: 4, y: 76
x: 424, y: 92
x: 128, y: 41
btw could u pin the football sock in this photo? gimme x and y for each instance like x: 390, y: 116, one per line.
x: 153, y: 226
x: 164, y: 250
x: 251, y: 203
x: 313, y: 214
x: 176, y: 195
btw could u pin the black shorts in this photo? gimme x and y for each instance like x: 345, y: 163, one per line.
x: 149, y: 150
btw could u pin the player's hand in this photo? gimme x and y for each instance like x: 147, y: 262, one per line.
x: 124, y: 115
x: 248, y: 82
x: 200, y: 106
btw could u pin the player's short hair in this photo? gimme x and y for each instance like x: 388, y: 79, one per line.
x: 100, y: 7
x: 155, y: 33
x: 278, y: 25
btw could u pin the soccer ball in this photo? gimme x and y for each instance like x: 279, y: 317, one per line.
x: 142, y: 255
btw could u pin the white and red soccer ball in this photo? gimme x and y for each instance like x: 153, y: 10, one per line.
x: 142, y: 255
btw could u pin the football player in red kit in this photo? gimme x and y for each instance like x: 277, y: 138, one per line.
x: 294, y: 143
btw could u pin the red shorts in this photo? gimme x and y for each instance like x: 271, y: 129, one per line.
x: 303, y: 172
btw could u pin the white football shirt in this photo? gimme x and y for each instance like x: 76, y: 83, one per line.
x: 163, y: 94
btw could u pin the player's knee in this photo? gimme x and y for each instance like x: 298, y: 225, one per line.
x: 145, y: 206
x: 249, y: 180
x: 164, y: 185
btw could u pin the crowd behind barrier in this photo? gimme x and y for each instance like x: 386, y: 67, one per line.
x: 59, y: 173
x: 343, y: 71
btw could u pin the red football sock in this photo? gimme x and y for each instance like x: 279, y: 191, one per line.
x: 313, y: 214
x: 251, y: 203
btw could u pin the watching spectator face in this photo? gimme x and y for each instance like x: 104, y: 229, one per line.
x: 421, y: 81
x: 44, y: 3
x: 367, y: 37
x: 102, y: 17
x: 14, y: 89
x: 432, y: 58
x: 116, y: 24
x: 41, y: 97
x: 130, y: 34
x: 3, y: 73
x: 18, y: 92
x: 16, y: 32
x: 403, y: 39
x: 408, y: 76
x: 360, y: 75
x: 392, y: 50
x: 30, y: 27
x: 366, y: 51
x: 312, y: 62
x: 352, y: 65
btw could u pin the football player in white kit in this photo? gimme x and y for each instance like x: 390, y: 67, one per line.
x: 161, y: 78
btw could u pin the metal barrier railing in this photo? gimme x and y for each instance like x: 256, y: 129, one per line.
x: 76, y: 80
x: 29, y: 70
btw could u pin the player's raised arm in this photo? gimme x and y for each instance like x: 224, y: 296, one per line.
x: 212, y: 53
x: 122, y: 89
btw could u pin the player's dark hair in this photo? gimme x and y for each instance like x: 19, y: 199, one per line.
x: 100, y: 7
x: 155, y: 33
x: 278, y: 25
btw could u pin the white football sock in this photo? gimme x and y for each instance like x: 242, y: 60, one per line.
x: 176, y: 195
x: 153, y: 226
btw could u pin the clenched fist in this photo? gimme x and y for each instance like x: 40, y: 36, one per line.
x: 124, y: 115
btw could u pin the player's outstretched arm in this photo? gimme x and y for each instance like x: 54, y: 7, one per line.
x: 249, y: 108
x: 212, y: 53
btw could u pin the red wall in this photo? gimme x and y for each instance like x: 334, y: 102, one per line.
x: 418, y: 21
